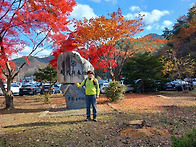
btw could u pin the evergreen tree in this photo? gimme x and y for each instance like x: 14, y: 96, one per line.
x: 146, y: 67
x: 47, y: 74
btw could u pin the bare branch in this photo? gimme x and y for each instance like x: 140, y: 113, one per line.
x: 7, y: 11
x: 34, y: 49
x: 19, y: 7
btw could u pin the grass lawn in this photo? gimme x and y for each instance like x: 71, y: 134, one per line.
x: 165, y: 114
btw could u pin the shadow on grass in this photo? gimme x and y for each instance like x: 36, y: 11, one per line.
x: 37, y: 124
x: 15, y: 110
x: 181, y: 110
x: 191, y: 94
x: 102, y: 102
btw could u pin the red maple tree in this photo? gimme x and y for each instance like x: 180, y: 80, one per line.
x: 96, y: 38
x: 28, y: 23
x: 109, y: 42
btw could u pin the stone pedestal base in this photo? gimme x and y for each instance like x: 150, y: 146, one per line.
x: 74, y: 96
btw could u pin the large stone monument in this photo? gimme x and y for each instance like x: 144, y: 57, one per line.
x: 71, y: 68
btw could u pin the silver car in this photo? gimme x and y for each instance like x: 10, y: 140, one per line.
x: 103, y: 87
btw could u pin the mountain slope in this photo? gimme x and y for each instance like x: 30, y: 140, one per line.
x: 155, y: 36
x: 35, y: 63
x: 21, y: 60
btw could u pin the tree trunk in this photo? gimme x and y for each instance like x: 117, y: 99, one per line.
x: 112, y: 74
x: 50, y: 90
x: 179, y: 73
x: 9, y: 98
x: 118, y: 68
x: 117, y: 73
x: 9, y: 101
x: 143, y: 88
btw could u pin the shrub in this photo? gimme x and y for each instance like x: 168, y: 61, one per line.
x: 46, y: 98
x: 115, y: 91
x: 188, y: 140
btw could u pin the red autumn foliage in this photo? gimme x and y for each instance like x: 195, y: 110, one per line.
x: 29, y: 23
x: 100, y: 57
x: 95, y: 39
x: 66, y: 44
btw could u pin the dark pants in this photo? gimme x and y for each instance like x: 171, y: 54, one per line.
x: 91, y: 99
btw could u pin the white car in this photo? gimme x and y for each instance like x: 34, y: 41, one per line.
x: 1, y: 92
x: 103, y: 87
x: 14, y: 88
x: 194, y: 83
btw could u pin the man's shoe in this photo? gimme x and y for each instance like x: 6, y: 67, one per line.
x: 94, y: 119
x: 88, y: 119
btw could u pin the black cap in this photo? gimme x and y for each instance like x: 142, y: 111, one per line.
x: 90, y: 72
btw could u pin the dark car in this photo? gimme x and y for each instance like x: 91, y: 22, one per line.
x: 54, y: 89
x: 179, y: 85
x: 170, y: 86
x: 183, y: 85
x: 31, y: 89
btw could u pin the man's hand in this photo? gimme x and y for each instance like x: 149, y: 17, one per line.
x: 97, y: 96
x: 76, y: 83
x: 95, y: 80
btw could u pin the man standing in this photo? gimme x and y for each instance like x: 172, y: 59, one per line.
x: 91, y: 92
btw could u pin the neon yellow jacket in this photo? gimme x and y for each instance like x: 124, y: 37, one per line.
x: 91, y: 89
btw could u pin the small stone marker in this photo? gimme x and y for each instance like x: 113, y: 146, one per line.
x: 137, y: 124
x: 74, y: 96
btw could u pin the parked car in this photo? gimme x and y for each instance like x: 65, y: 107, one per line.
x: 14, y: 88
x: 103, y: 87
x: 1, y: 92
x: 129, y: 88
x: 31, y: 89
x: 101, y: 81
x: 179, y: 85
x: 150, y: 85
x: 137, y: 84
x: 54, y: 88
x: 191, y: 81
x: 170, y: 86
x: 194, y: 82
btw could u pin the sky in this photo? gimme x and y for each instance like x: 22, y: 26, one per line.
x: 158, y: 13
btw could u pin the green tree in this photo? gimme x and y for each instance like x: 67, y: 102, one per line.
x: 127, y: 48
x: 47, y: 74
x: 144, y: 66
